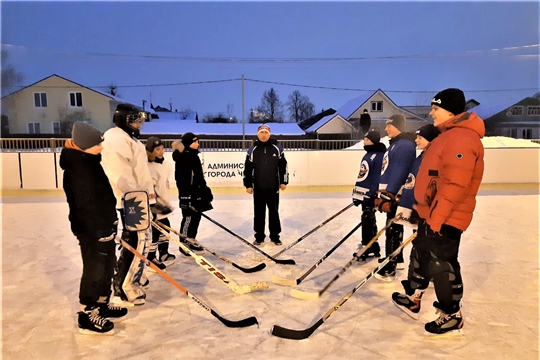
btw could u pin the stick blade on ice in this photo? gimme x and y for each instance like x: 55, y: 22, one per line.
x: 304, y: 295
x: 291, y: 334
x: 284, y: 282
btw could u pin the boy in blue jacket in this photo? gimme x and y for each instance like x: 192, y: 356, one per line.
x: 365, y: 190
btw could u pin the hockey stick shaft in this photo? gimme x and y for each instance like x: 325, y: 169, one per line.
x: 315, y: 229
x: 246, y: 270
x: 303, y: 334
x: 277, y: 261
x: 205, y: 264
x: 362, y: 251
x: 229, y: 323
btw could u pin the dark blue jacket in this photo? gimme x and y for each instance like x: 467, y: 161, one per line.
x: 396, y: 163
x: 367, y: 182
x: 407, y: 192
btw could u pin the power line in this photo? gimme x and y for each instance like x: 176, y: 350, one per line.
x: 270, y: 60
x: 275, y: 83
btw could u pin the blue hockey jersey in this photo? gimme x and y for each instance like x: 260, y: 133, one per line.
x: 407, y: 199
x: 367, y: 182
x: 396, y: 163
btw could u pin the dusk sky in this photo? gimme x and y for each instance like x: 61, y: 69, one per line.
x: 419, y: 47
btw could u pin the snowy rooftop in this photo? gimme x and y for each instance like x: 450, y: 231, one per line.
x: 489, y: 142
x: 162, y: 127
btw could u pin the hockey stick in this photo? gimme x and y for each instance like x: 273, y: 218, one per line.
x: 287, y: 282
x: 246, y: 270
x: 315, y: 229
x: 303, y: 334
x: 299, y: 294
x: 239, y: 289
x: 229, y: 323
x: 277, y: 261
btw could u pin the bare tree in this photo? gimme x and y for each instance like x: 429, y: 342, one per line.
x: 271, y: 107
x: 230, y: 109
x: 113, y: 89
x: 66, y: 118
x: 299, y: 106
x: 11, y: 79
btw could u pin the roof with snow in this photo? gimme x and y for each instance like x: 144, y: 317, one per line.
x: 160, y: 127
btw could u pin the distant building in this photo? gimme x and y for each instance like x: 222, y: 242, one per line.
x: 52, y: 104
x: 519, y: 120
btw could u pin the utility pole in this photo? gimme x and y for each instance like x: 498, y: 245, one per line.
x: 243, y: 118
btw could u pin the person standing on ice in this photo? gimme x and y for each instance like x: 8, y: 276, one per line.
x: 446, y: 186
x: 92, y: 214
x: 365, y: 190
x: 194, y: 194
x: 126, y: 166
x: 265, y: 173
x: 395, y: 167
x: 163, y: 207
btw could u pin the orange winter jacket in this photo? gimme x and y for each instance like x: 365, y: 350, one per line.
x: 451, y: 172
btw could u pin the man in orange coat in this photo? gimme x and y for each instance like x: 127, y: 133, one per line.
x: 446, y: 186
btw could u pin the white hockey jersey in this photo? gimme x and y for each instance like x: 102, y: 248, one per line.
x: 126, y: 165
x: 160, y: 175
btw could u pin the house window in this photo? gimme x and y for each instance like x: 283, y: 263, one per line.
x: 56, y: 127
x: 376, y: 106
x: 75, y: 99
x: 527, y: 133
x: 513, y: 133
x: 40, y: 99
x: 34, y: 128
x: 516, y: 111
x: 533, y: 110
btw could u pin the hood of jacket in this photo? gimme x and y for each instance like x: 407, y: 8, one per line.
x: 467, y: 121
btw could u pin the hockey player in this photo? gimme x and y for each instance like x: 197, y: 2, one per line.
x: 265, y: 173
x: 92, y: 215
x: 126, y: 166
x: 446, y: 186
x: 194, y: 195
x: 163, y: 207
x: 395, y: 168
x: 365, y: 190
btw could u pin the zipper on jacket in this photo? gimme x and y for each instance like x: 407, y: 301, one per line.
x: 433, y: 208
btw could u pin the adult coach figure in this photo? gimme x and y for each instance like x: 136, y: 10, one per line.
x: 265, y: 173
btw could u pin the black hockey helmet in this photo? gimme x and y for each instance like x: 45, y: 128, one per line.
x: 127, y: 114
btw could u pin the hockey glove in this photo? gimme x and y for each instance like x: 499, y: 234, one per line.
x: 385, y: 202
x: 160, y: 209
x: 356, y: 202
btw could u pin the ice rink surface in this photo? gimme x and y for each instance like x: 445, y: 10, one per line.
x: 41, y: 269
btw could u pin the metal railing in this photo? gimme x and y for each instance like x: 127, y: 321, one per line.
x: 55, y: 145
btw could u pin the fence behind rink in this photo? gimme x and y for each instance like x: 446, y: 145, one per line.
x: 307, y: 168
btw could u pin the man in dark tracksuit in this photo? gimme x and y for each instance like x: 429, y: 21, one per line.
x: 265, y: 173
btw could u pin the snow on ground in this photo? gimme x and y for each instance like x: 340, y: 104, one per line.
x: 499, y: 259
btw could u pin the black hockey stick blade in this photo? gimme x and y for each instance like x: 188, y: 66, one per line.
x: 283, y: 262
x: 291, y: 334
x: 236, y: 324
x: 259, y: 267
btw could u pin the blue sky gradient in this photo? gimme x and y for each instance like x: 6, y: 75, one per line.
x: 156, y: 38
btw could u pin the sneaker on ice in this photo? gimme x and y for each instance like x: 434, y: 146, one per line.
x: 373, y: 251
x: 110, y: 311
x: 451, y: 324
x: 159, y: 264
x: 387, y: 273
x: 91, y: 323
x: 258, y: 242
x: 167, y: 259
x: 277, y: 242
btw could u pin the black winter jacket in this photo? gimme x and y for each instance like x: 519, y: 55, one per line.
x: 92, y: 205
x: 265, y: 167
x: 189, y: 176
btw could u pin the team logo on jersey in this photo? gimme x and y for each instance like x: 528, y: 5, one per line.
x: 409, y: 183
x: 364, y: 171
x: 372, y: 157
x: 384, y: 163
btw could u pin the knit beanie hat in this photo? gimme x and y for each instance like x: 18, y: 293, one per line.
x: 188, y: 138
x: 85, y: 135
x: 263, y: 127
x: 428, y: 132
x: 452, y: 100
x: 153, y: 142
x: 398, y: 121
x: 374, y: 136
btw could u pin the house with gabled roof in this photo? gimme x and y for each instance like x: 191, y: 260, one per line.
x: 519, y: 120
x: 51, y: 105
x: 379, y: 106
